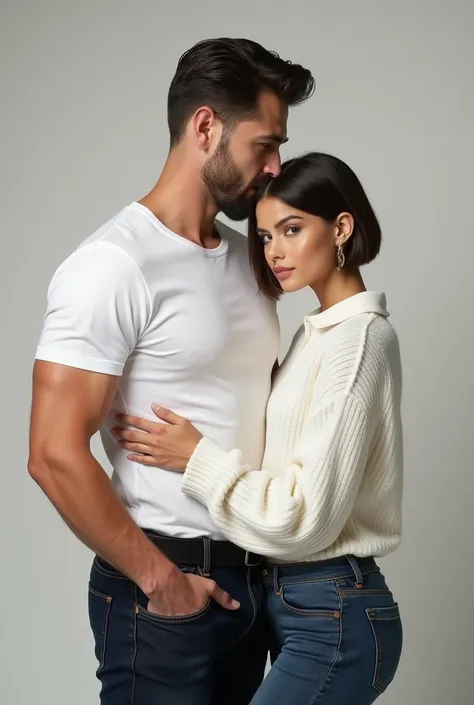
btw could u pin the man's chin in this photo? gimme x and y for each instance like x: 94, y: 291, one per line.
x: 238, y: 210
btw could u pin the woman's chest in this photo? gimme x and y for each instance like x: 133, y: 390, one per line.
x: 293, y: 393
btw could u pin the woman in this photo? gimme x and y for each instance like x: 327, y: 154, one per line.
x: 327, y: 499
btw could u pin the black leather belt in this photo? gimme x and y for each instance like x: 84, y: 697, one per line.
x: 204, y: 552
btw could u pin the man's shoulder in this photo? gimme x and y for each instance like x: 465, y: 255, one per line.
x: 105, y: 255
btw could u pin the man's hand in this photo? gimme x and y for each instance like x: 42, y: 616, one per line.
x: 185, y: 594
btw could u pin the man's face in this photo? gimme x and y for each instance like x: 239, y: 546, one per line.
x: 246, y: 157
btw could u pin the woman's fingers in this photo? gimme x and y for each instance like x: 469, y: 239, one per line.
x: 137, y: 422
x: 143, y: 460
x: 135, y: 447
x: 126, y: 434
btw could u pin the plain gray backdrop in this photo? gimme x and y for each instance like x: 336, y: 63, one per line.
x: 83, y: 132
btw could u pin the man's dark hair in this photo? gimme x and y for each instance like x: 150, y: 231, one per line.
x: 324, y: 186
x: 228, y: 76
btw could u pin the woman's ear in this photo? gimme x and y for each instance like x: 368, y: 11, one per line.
x: 344, y: 228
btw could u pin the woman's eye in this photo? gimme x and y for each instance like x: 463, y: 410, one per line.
x: 266, y: 238
x: 293, y: 230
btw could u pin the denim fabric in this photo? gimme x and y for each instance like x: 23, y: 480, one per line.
x: 214, y: 657
x: 337, y: 633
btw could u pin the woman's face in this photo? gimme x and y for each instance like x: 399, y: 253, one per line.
x: 300, y: 248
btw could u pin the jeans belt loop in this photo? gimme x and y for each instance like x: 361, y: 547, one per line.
x: 248, y: 555
x: 206, y: 565
x: 276, y: 581
x: 359, y: 578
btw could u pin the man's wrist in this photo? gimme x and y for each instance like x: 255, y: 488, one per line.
x: 158, y: 573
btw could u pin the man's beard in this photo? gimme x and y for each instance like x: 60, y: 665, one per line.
x: 224, y: 183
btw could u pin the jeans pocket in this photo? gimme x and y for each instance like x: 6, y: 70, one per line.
x: 99, y: 610
x: 143, y: 611
x: 311, y: 599
x: 387, y: 630
x: 106, y: 569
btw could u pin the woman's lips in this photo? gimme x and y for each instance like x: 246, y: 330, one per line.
x: 282, y: 273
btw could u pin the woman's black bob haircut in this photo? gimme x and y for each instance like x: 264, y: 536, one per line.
x: 325, y: 186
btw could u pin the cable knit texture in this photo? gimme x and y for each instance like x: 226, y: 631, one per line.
x: 331, y: 477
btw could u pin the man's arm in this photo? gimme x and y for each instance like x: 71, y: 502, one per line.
x: 69, y: 406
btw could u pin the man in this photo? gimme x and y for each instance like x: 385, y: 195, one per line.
x: 160, y: 305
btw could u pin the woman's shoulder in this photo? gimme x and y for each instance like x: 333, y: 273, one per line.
x: 366, y: 331
x: 362, y: 352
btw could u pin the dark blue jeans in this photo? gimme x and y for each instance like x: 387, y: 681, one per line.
x: 214, y: 657
x: 337, y: 633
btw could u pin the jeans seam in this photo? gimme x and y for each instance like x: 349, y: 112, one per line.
x: 308, y: 612
x: 336, y: 657
x: 363, y: 592
x: 135, y: 646
x: 284, y: 581
x: 269, y: 614
x: 107, y: 573
x: 162, y: 619
x: 254, y: 603
x: 378, y: 654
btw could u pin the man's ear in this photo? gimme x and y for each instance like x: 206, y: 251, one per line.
x: 206, y: 128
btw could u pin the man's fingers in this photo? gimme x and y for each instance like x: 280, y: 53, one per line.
x: 221, y: 597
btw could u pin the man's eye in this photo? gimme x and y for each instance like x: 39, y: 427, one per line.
x: 265, y: 146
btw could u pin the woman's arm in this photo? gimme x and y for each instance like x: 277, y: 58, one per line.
x: 298, y: 512
x: 303, y: 509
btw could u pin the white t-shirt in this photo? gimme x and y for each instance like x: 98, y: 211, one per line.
x: 185, y: 328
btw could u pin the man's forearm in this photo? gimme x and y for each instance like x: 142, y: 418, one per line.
x: 86, y: 499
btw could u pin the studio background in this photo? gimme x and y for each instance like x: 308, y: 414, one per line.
x: 83, y: 132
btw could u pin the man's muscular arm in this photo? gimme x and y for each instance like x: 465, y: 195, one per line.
x: 69, y: 406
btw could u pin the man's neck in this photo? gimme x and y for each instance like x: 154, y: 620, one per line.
x: 179, y: 200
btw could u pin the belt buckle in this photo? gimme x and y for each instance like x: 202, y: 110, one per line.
x: 247, y: 559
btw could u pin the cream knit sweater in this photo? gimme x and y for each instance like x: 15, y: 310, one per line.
x: 331, y: 477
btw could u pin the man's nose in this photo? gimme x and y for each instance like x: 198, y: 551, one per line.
x: 273, y: 165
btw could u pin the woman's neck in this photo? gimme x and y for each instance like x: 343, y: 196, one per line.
x: 338, y: 287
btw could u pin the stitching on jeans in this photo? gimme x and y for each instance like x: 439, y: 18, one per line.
x: 376, y: 682
x: 254, y: 603
x: 161, y: 619
x: 378, y: 655
x: 268, y: 613
x: 361, y: 592
x: 134, y: 616
x: 105, y: 597
x: 107, y: 573
x: 306, y: 612
x: 284, y: 581
x: 336, y: 657
x: 108, y: 602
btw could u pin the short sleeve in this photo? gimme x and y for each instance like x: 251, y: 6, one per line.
x: 98, y: 307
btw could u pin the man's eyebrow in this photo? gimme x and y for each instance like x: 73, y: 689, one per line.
x: 274, y: 137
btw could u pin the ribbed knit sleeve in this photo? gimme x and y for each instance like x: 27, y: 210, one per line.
x: 302, y: 510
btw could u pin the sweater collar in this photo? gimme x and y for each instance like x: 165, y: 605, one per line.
x: 365, y: 302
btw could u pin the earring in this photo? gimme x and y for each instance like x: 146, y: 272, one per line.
x: 341, y: 259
